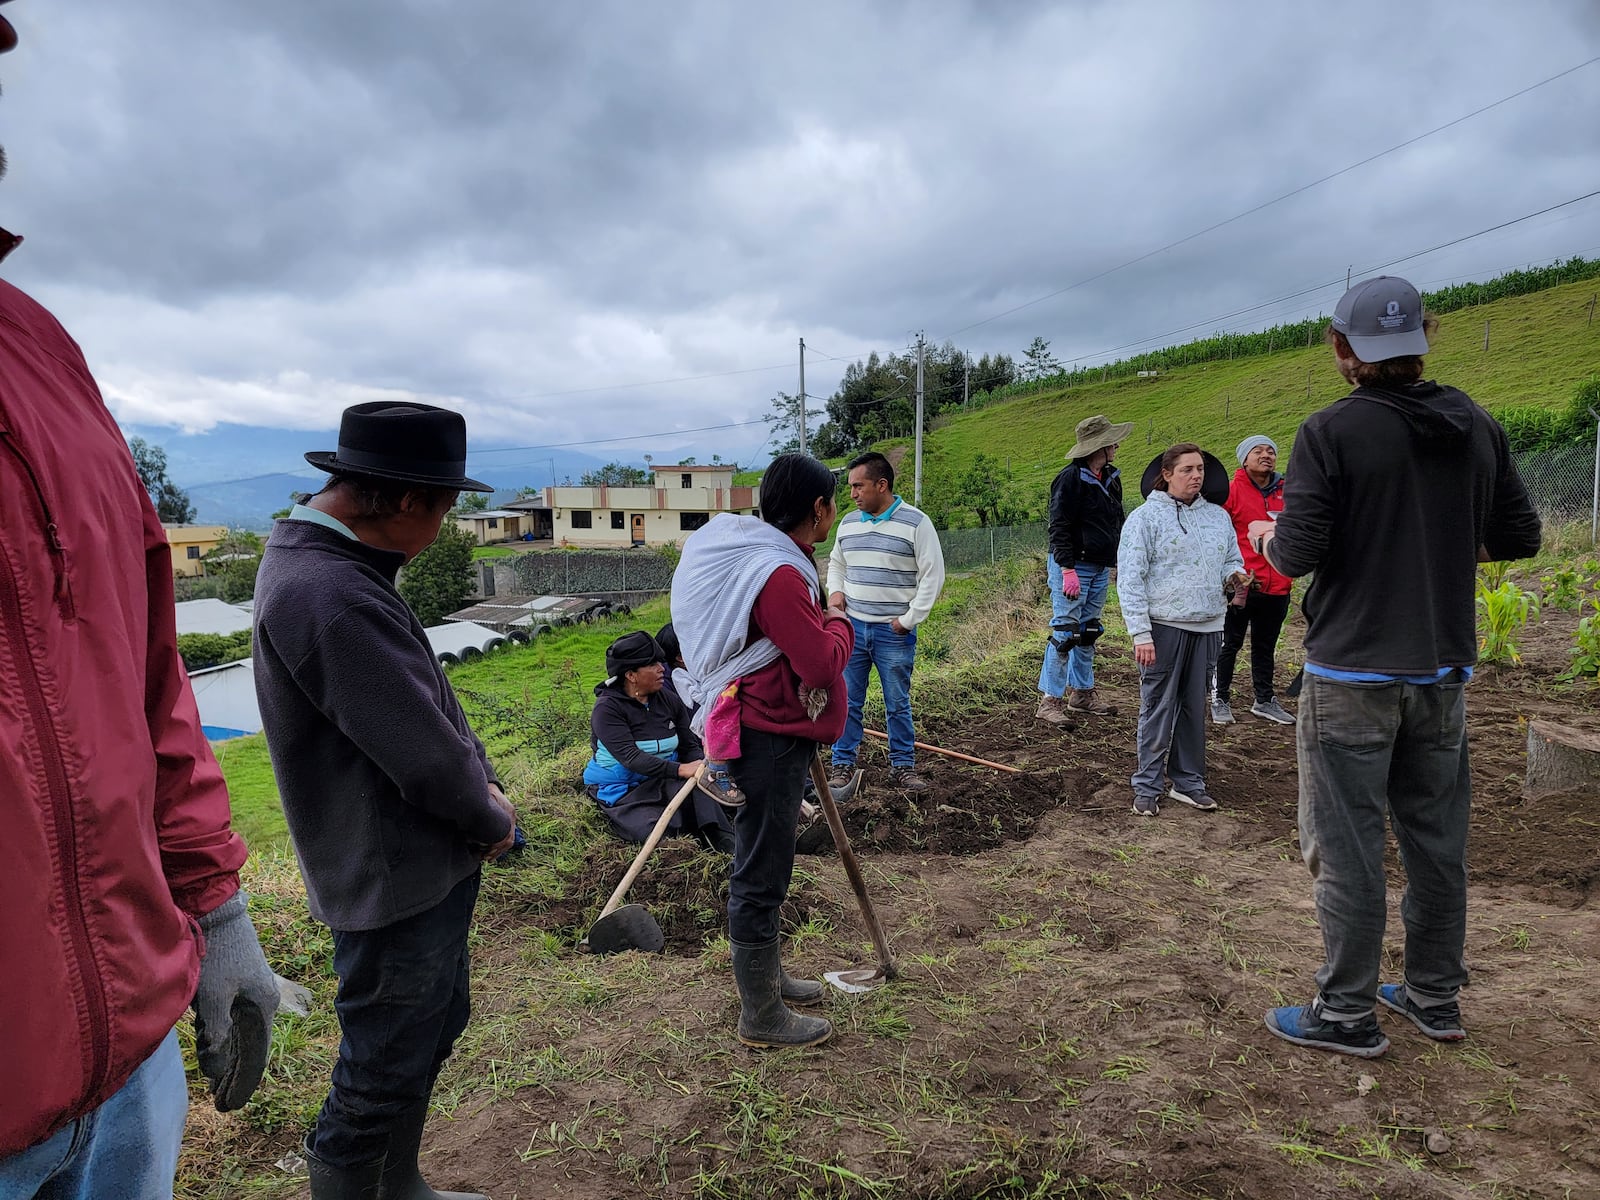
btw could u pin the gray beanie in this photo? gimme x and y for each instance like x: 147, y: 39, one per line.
x: 1251, y: 442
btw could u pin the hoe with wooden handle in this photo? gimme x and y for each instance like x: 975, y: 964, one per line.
x: 860, y: 979
x: 630, y: 926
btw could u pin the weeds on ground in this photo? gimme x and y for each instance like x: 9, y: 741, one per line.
x: 1586, y: 647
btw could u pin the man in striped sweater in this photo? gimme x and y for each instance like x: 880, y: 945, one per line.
x: 885, y: 571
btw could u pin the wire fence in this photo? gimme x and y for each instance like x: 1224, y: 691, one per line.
x: 968, y: 549
x: 1562, y: 483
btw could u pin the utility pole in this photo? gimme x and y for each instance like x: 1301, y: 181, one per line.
x: 917, y: 491
x: 802, y: 395
x: 1347, y: 271
x: 966, y: 380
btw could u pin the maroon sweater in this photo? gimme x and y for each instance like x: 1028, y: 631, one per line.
x: 815, y: 648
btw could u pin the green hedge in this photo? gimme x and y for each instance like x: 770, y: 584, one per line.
x: 213, y: 649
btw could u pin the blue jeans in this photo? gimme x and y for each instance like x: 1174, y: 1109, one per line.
x: 404, y: 998
x: 1370, y: 751
x: 1077, y: 672
x: 127, y: 1149
x: 771, y: 772
x: 893, y: 654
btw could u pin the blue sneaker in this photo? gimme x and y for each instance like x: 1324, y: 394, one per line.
x: 1299, y: 1023
x: 1441, y: 1022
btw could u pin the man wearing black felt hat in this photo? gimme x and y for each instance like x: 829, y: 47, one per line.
x: 390, y: 798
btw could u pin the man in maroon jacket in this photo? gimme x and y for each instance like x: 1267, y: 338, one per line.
x: 119, y: 889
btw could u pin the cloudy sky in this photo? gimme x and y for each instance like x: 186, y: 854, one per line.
x: 576, y: 221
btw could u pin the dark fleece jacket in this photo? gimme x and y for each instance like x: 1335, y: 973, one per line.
x: 384, y: 785
x: 1389, y: 497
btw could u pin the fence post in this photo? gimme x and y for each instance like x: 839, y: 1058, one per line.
x: 1486, y: 335
x: 1594, y: 503
x: 991, y: 545
x: 1591, y: 307
x: 1308, y: 377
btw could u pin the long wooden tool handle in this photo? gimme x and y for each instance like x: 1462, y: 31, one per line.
x: 852, y: 869
x: 982, y: 762
x: 649, y: 845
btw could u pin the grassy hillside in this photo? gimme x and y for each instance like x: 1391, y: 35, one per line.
x: 1540, y: 348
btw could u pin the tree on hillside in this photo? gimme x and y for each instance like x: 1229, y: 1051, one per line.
x: 1038, y: 362
x: 615, y: 474
x: 991, y: 373
x: 172, y: 503
x: 986, y: 487
x: 784, y: 423
x: 234, y: 562
x: 438, y: 581
x: 471, y: 502
x: 529, y: 492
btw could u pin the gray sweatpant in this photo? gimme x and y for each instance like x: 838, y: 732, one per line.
x: 1172, y: 711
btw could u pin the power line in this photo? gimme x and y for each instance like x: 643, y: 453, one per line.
x: 1277, y: 199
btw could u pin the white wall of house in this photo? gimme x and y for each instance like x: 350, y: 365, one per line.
x: 226, y: 696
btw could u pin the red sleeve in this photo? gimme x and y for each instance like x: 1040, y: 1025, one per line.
x: 200, y: 854
x: 817, y: 646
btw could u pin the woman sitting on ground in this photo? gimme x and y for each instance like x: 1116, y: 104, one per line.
x: 644, y: 750
x: 1176, y: 556
x: 748, y: 608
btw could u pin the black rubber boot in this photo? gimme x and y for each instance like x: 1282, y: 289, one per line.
x: 341, y: 1183
x: 801, y: 991
x: 764, y: 1019
x: 401, y: 1178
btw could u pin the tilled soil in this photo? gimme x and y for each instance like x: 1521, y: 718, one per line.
x: 1081, y: 1001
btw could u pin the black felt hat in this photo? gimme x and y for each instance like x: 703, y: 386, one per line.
x: 630, y: 652
x: 409, y: 443
x: 1214, y: 487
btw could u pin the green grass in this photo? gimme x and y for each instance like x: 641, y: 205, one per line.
x: 563, y: 665
x: 257, y: 816
x: 1540, y: 349
x: 494, y: 552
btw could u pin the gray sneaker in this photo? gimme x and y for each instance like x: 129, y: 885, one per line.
x: 1221, y: 712
x: 1271, y: 710
x: 1193, y: 799
x: 1147, y: 806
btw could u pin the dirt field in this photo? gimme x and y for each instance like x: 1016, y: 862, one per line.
x: 1080, y: 1008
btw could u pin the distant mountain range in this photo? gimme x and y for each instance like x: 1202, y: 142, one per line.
x: 239, y: 475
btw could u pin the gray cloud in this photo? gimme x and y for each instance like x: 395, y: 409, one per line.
x: 259, y: 213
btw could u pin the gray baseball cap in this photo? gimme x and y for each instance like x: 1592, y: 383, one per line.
x: 1381, y: 318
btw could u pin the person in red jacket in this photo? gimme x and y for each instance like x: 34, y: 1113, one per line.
x: 747, y: 605
x: 119, y: 888
x: 1255, y: 495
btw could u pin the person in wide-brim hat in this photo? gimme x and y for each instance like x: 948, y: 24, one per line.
x: 1097, y: 433
x: 1086, y: 518
x: 391, y: 799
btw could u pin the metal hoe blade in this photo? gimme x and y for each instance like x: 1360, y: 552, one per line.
x: 630, y: 927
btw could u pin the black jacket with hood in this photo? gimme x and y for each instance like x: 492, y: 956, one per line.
x: 1391, y: 495
x: 1086, y: 516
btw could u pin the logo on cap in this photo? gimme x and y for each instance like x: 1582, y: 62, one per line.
x: 1392, y: 317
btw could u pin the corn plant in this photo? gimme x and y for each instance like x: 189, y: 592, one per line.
x: 1586, y: 647
x: 1503, y: 611
x: 1563, y: 588
x: 1492, y: 575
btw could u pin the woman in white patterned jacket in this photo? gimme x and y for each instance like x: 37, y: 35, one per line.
x: 1177, y: 554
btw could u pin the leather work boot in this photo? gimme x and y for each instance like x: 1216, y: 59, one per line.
x: 907, y: 779
x: 402, y: 1180
x: 764, y: 1020
x: 1052, y: 709
x: 1089, y: 701
x: 340, y: 1183
x: 840, y: 775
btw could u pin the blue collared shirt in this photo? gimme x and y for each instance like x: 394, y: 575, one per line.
x: 303, y: 512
